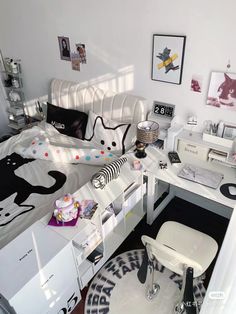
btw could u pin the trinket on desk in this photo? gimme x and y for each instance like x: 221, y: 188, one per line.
x: 162, y: 164
x: 66, y: 209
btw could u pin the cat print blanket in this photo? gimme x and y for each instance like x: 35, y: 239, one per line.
x: 30, y: 186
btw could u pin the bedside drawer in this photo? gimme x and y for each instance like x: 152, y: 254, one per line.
x: 190, y: 150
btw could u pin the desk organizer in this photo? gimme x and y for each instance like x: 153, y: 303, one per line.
x: 217, y: 140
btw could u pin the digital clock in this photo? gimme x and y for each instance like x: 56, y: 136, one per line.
x: 163, y: 109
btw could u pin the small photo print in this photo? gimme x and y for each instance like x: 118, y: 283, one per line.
x: 196, y: 83
x: 222, y: 91
x: 82, y: 52
x: 64, y: 47
x: 75, y: 61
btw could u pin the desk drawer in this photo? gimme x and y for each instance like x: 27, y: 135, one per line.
x: 190, y: 150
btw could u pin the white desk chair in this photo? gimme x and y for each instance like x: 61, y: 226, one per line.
x: 183, y: 250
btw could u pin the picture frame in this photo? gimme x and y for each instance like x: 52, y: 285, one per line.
x: 229, y: 132
x: 221, y: 92
x: 168, y: 58
x: 64, y: 47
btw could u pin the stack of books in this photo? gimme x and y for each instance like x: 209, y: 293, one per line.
x: 16, y: 122
x: 95, y: 256
x: 16, y: 110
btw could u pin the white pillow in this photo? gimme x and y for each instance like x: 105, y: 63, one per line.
x: 109, y: 135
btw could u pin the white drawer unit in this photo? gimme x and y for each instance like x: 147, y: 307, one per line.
x: 36, y: 268
x: 67, y: 300
x: 205, y: 147
x: 191, y: 150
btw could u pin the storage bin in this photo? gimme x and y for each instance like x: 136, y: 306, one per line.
x: 86, y: 273
x: 108, y: 222
x: 34, y: 269
x: 191, y: 150
x: 132, y: 198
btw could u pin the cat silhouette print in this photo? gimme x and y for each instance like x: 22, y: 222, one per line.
x: 167, y: 60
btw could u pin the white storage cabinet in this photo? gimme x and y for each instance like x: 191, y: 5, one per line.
x: 38, y: 273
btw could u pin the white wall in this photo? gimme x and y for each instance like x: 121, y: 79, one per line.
x: 118, y: 38
x: 4, y: 129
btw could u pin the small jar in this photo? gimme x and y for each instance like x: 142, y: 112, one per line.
x: 137, y: 165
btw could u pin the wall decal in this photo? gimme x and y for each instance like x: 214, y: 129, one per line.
x: 64, y: 46
x: 222, y: 90
x: 167, y: 58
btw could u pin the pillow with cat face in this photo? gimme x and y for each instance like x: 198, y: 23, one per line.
x: 109, y: 135
x: 67, y: 121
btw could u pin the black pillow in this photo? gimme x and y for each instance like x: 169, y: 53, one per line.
x: 67, y: 121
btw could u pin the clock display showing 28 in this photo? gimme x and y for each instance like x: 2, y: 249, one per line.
x: 163, y: 109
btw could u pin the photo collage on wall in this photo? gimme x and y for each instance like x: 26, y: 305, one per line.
x: 76, y: 57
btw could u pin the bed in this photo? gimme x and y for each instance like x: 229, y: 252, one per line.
x: 42, y: 163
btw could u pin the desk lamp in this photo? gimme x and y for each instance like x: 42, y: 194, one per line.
x: 147, y: 133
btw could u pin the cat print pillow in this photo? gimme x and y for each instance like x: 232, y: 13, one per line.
x: 109, y: 135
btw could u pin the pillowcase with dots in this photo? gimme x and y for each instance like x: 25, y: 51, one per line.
x: 109, y: 135
x: 40, y: 148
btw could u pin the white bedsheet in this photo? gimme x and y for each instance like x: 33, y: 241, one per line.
x: 13, y: 218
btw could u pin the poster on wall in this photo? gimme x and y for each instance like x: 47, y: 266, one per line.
x: 222, y: 90
x: 168, y: 58
x: 64, y: 47
x: 82, y: 52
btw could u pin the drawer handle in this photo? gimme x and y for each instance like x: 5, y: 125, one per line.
x: 194, y: 146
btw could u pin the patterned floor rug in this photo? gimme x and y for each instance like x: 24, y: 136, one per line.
x: 116, y: 289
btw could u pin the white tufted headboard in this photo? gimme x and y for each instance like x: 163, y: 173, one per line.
x: 119, y: 107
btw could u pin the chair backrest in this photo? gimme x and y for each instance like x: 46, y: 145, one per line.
x: 169, y: 258
x: 113, y: 106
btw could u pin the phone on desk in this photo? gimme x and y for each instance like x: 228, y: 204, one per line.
x: 174, y: 157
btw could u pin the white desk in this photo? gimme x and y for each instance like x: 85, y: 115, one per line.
x: 211, y: 199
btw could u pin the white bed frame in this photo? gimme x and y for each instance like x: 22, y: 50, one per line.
x: 119, y: 107
x: 31, y: 249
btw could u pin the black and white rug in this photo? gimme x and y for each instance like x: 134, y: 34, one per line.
x: 117, y: 290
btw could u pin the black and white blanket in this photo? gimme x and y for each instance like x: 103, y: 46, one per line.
x: 33, y: 175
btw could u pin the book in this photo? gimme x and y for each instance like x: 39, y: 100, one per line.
x: 88, y: 208
x: 95, y: 256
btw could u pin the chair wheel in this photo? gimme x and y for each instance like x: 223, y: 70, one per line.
x: 152, y: 293
x: 179, y: 308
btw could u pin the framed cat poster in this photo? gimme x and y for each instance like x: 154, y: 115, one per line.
x: 222, y: 91
x: 168, y: 58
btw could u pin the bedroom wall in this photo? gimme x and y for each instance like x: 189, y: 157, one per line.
x: 118, y: 38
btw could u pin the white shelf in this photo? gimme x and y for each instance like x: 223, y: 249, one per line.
x: 125, y: 194
x: 212, y: 139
